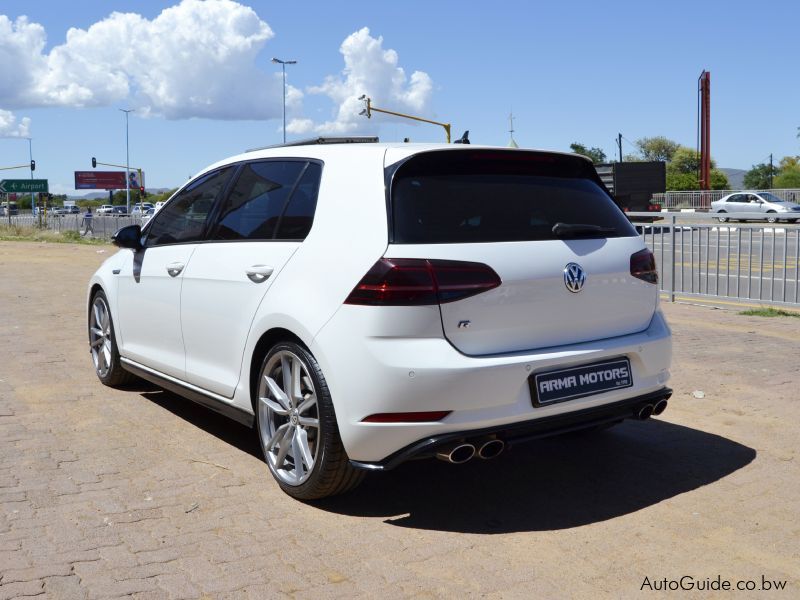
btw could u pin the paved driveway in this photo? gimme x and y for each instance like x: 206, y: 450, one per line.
x: 106, y: 493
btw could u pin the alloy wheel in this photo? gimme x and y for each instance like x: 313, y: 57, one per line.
x: 288, y: 418
x: 100, y: 337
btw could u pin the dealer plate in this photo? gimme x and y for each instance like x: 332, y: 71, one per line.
x: 581, y: 381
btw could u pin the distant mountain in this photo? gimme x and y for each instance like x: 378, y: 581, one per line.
x: 735, y: 177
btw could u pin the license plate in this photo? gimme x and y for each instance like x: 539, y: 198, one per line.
x: 578, y: 382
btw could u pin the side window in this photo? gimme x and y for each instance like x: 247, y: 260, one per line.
x: 736, y: 198
x: 184, y: 219
x: 299, y: 215
x: 257, y: 200
x: 261, y: 197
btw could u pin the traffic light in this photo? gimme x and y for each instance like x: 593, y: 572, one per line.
x: 94, y: 162
x: 33, y: 165
x: 142, y: 192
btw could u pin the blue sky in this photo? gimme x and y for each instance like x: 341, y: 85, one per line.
x: 577, y: 71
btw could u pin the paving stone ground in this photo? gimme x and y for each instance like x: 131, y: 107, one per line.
x: 107, y: 493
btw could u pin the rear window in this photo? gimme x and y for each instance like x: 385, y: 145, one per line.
x: 498, y: 196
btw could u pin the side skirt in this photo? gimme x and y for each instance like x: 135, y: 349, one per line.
x: 190, y: 392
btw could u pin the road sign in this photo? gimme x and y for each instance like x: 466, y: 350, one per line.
x: 100, y: 180
x: 23, y: 186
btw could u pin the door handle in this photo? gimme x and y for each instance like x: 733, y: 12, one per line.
x: 258, y: 273
x: 174, y: 269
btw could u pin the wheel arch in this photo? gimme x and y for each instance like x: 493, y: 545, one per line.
x: 267, y: 340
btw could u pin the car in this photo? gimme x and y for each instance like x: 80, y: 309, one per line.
x: 148, y: 214
x: 755, y: 206
x: 140, y: 208
x: 364, y: 304
x: 159, y: 204
x: 104, y: 209
x: 119, y: 211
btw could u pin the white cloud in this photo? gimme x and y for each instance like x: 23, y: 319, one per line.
x: 195, y: 59
x: 370, y: 70
x: 10, y: 128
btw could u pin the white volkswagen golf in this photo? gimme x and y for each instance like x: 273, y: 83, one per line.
x: 362, y: 304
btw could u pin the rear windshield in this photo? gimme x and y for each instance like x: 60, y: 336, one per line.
x: 499, y: 196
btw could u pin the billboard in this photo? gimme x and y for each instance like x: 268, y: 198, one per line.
x: 100, y: 180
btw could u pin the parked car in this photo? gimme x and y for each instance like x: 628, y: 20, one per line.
x: 140, y: 208
x: 105, y: 209
x: 364, y: 304
x: 148, y: 215
x: 755, y: 206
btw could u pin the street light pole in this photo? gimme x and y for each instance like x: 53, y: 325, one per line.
x: 283, y: 64
x: 127, y: 164
x: 30, y: 154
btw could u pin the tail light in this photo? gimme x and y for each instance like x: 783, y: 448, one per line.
x: 419, y: 281
x: 643, y: 266
x: 407, y: 417
x: 654, y: 208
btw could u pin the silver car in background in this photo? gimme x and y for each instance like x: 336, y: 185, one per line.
x: 755, y: 206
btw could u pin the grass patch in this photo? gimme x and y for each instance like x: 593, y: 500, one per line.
x: 21, y: 233
x: 770, y: 312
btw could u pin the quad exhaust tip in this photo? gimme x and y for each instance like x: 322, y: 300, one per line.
x: 645, y: 412
x: 491, y: 448
x: 660, y: 406
x: 457, y: 453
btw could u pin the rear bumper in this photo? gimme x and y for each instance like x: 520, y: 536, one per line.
x: 369, y: 370
x: 516, y: 433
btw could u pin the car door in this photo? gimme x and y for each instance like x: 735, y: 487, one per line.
x: 148, y: 299
x: 259, y: 226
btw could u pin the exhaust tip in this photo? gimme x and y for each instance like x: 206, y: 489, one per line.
x: 660, y: 406
x: 456, y: 454
x: 491, y: 449
x: 645, y: 412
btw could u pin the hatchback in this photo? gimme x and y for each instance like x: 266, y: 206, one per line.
x: 363, y: 304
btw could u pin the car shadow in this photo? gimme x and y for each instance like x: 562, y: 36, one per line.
x: 227, y: 430
x: 555, y: 483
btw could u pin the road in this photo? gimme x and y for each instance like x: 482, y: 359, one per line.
x: 106, y: 492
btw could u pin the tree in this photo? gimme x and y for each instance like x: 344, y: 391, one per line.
x: 788, y: 178
x: 760, y: 177
x: 682, y: 172
x: 596, y: 155
x: 657, y: 148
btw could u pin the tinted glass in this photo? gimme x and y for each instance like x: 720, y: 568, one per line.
x: 498, y: 196
x: 184, y: 219
x: 299, y: 215
x: 736, y: 198
x: 257, y: 200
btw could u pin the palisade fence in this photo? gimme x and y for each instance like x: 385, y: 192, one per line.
x: 103, y: 226
x: 703, y: 199
x: 747, y: 263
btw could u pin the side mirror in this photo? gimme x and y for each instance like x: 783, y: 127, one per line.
x: 128, y: 237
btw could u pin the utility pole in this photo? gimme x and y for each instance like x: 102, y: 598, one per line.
x: 30, y: 154
x: 619, y: 145
x: 770, y: 170
x: 283, y: 64
x: 127, y: 165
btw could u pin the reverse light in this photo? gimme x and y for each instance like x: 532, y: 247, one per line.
x: 643, y: 266
x: 420, y: 282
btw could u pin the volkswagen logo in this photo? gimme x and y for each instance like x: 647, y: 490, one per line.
x: 574, y: 277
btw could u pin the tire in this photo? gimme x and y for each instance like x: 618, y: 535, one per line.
x: 103, y: 344
x: 721, y: 219
x: 313, y: 463
x: 771, y: 216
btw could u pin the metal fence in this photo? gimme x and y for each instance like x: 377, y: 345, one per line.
x: 752, y: 262
x: 103, y: 227
x: 703, y: 199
